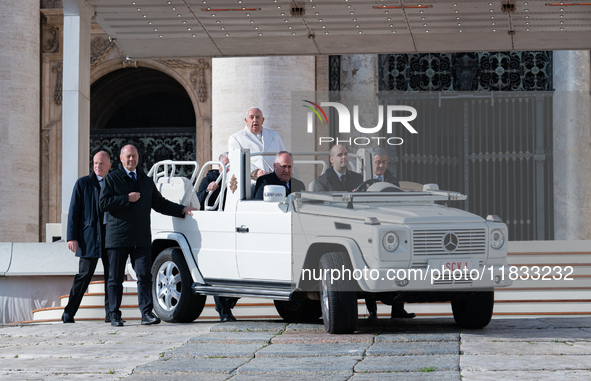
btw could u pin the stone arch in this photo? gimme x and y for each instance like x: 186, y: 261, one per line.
x: 110, y: 66
x: 139, y: 97
x: 184, y: 73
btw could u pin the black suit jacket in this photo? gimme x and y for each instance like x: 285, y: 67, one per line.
x: 390, y: 178
x: 85, y: 217
x: 295, y: 185
x: 329, y: 181
x: 202, y: 192
x: 128, y: 223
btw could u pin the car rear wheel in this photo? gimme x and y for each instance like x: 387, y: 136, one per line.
x: 173, y: 298
x: 475, y: 311
x: 338, y: 297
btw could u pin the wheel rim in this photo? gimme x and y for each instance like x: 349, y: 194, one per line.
x: 168, y: 286
x: 325, y: 304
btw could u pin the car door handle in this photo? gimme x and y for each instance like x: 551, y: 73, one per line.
x: 242, y: 229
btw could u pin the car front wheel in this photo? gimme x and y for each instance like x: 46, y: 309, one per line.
x: 475, y: 311
x: 173, y: 298
x: 338, y: 297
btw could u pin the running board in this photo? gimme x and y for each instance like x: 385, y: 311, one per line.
x: 265, y: 293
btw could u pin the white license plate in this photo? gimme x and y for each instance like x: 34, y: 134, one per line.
x: 454, y: 264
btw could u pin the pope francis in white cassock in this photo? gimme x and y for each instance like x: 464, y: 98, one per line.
x: 257, y: 139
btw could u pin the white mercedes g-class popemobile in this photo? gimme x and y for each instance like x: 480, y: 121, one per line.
x: 316, y: 253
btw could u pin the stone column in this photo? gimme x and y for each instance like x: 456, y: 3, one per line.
x: 263, y: 82
x: 19, y: 120
x: 572, y: 145
x: 359, y: 86
x: 76, y: 98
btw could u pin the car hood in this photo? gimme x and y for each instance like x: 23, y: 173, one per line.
x: 403, y: 213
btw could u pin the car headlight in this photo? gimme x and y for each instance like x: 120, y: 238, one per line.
x: 497, y: 239
x: 390, y: 241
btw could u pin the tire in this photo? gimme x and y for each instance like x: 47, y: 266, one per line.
x: 172, y: 296
x: 476, y: 311
x: 337, y: 297
x: 299, y: 310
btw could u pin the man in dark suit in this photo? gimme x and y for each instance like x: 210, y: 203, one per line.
x: 380, y: 167
x: 338, y: 177
x: 208, y: 184
x: 281, y: 175
x: 129, y: 196
x: 86, y: 234
x: 381, y: 173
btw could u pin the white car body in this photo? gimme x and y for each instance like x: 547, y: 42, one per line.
x: 266, y: 248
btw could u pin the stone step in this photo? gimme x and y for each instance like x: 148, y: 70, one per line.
x: 98, y: 299
x: 85, y: 313
x: 99, y: 286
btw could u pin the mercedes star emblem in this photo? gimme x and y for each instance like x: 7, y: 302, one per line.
x: 450, y: 241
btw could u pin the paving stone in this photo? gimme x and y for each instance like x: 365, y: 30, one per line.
x: 530, y: 348
x: 408, y: 376
x: 191, y: 366
x: 417, y: 337
x: 413, y: 349
x: 177, y: 377
x: 305, y: 327
x: 234, y: 338
x: 289, y: 377
x: 313, y: 350
x: 293, y: 337
x: 212, y: 350
x: 318, y: 366
x: 383, y: 364
x: 504, y: 324
x: 562, y: 375
x: 579, y: 322
x: 423, y: 323
x: 524, y: 362
x: 250, y: 326
x: 528, y: 335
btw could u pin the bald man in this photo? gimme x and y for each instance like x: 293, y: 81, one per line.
x: 129, y: 196
x: 338, y: 177
x: 86, y: 234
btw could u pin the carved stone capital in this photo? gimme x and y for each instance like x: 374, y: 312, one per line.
x: 100, y: 47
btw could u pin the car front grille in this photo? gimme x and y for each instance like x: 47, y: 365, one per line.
x: 429, y: 242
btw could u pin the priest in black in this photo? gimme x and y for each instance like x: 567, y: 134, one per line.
x: 280, y: 176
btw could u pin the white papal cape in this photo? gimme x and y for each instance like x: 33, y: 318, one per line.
x: 271, y: 142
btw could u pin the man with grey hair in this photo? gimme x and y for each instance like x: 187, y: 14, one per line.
x: 86, y: 234
x: 281, y: 175
x: 380, y: 167
x: 209, y: 184
x: 257, y: 139
x: 129, y: 196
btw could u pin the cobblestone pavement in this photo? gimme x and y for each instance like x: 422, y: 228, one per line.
x: 418, y: 349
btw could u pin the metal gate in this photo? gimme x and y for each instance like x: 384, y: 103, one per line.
x: 494, y: 147
x: 153, y: 144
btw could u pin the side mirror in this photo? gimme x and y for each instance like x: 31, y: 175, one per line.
x: 274, y: 193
